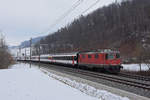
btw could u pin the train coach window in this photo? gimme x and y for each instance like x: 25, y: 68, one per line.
x: 69, y: 58
x: 117, y: 55
x: 89, y: 56
x: 109, y: 56
x: 63, y: 58
x: 44, y: 57
x: 96, y: 56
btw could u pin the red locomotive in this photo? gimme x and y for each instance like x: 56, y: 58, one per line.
x: 107, y: 60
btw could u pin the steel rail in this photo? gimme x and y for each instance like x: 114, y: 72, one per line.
x: 133, y: 76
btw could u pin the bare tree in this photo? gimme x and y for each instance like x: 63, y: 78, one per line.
x: 5, y: 57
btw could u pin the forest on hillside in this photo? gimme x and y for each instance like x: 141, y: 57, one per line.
x: 124, y: 26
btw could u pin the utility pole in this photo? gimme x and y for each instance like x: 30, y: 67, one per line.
x: 30, y: 51
x: 49, y: 49
x: 39, y: 53
x: 115, y: 1
x: 17, y: 56
x: 30, y: 48
x: 25, y: 54
x: 20, y: 56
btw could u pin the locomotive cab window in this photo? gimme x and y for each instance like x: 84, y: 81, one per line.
x: 117, y: 55
x: 110, y: 56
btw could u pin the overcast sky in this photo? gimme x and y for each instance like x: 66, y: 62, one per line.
x: 22, y: 19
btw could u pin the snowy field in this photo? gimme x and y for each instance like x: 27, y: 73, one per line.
x: 23, y: 82
x: 135, y: 67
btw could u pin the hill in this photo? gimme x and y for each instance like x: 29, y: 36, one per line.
x: 27, y: 43
x: 24, y: 44
x: 124, y: 26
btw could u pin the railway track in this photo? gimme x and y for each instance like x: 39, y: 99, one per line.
x: 108, y: 77
x: 115, y: 79
x: 138, y: 77
x: 129, y: 84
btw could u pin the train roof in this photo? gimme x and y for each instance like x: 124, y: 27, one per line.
x: 81, y: 52
x: 100, y: 51
x: 61, y: 54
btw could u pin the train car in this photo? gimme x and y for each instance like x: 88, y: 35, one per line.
x: 45, y: 58
x: 61, y: 58
x: 34, y: 58
x: 107, y: 60
x: 65, y: 58
x: 23, y: 58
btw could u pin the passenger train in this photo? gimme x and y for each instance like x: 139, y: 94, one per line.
x: 106, y: 60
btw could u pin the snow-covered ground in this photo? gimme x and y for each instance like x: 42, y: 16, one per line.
x: 23, y: 82
x: 135, y: 67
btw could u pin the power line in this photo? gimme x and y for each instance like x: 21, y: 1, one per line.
x: 70, y: 10
x: 90, y: 6
x: 73, y: 7
x: 67, y: 13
